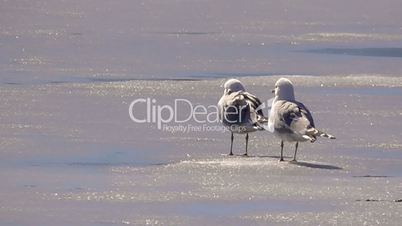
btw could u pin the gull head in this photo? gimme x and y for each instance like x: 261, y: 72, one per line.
x: 284, y: 89
x: 233, y: 85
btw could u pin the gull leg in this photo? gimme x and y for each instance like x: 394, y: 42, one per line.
x: 231, y: 144
x: 246, y: 143
x: 294, y: 156
x: 281, y: 159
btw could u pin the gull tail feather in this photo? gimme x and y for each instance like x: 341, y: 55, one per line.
x: 262, y: 119
x: 262, y: 122
x: 312, y: 133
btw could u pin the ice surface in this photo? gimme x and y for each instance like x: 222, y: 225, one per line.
x: 63, y: 41
x: 70, y: 155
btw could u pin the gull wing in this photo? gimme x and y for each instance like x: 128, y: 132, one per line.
x: 293, y: 116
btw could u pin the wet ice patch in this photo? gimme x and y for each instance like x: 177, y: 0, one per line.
x: 372, y: 52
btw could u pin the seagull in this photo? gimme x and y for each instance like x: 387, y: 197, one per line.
x: 289, y: 119
x: 240, y: 111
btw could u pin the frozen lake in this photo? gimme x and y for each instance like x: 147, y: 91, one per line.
x: 70, y: 155
x: 86, y: 41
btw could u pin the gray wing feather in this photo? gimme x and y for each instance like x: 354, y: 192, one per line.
x: 258, y: 117
x: 293, y: 116
x: 253, y: 101
x: 233, y: 108
x: 246, y: 105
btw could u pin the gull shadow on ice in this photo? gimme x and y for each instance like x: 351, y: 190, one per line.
x: 316, y: 165
x: 298, y: 163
